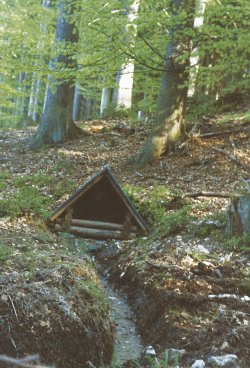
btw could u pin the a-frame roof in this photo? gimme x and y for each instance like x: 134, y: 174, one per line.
x: 88, y: 200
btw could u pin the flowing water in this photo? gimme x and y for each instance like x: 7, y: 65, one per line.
x: 128, y: 344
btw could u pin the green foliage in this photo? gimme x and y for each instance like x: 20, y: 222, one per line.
x: 38, y: 180
x: 26, y: 33
x: 4, y: 175
x: 109, y: 38
x: 211, y: 225
x: 174, y: 222
x: 234, y: 116
x: 26, y: 201
x: 152, y: 206
x: 239, y: 243
x: 33, y: 194
x: 150, y: 203
x: 5, y: 252
x: 113, y: 112
x: 245, y: 285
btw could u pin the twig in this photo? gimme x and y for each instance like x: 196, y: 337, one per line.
x: 13, y: 306
x: 91, y: 365
x: 217, y: 134
x: 164, y: 266
x: 208, y: 194
x: 225, y: 132
x: 22, y: 362
x: 232, y: 158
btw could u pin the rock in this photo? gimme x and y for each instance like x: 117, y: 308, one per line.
x: 150, y: 351
x: 198, y: 364
x: 225, y: 361
x: 201, y: 249
x: 218, y: 273
x: 224, y: 346
x: 110, y: 251
x: 187, y: 261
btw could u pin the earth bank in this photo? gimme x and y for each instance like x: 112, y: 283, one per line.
x: 55, y: 308
x: 191, y: 302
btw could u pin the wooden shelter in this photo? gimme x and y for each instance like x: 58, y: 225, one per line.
x: 99, y: 209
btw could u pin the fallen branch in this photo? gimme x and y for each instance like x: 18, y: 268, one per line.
x: 225, y: 132
x: 164, y: 266
x: 209, y: 194
x: 13, y: 306
x: 22, y: 362
x: 217, y: 134
x: 232, y: 158
x: 199, y: 299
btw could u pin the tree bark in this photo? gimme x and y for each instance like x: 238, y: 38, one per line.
x: 105, y: 101
x: 171, y: 104
x: 122, y: 96
x: 57, y: 125
x: 76, y: 103
x: 239, y: 216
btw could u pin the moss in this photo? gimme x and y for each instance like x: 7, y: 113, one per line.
x: 5, y: 253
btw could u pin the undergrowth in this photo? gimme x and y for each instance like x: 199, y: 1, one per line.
x: 153, y: 205
x: 31, y: 195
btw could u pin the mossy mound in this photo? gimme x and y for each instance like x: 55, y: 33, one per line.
x: 57, y: 313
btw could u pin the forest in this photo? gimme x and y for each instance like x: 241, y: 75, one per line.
x: 125, y: 183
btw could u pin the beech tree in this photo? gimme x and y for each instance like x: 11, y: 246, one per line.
x: 57, y: 124
x: 171, y: 104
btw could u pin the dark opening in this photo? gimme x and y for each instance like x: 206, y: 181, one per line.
x: 101, y: 202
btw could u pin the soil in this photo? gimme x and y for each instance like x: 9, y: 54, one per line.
x: 188, y: 291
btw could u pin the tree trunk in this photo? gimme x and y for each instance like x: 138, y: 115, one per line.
x: 194, y: 58
x: 171, y: 104
x: 239, y: 216
x: 76, y: 103
x: 57, y: 125
x: 105, y: 100
x: 122, y: 96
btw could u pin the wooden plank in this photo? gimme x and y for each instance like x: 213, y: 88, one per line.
x: 101, y: 225
x: 101, y: 233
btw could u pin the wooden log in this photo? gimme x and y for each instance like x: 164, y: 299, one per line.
x: 100, y: 225
x: 101, y: 233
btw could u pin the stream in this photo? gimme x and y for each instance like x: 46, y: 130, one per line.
x: 128, y: 344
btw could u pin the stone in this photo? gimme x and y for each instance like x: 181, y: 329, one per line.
x: 150, y: 351
x: 225, y: 361
x: 201, y: 249
x: 198, y: 364
x: 224, y: 346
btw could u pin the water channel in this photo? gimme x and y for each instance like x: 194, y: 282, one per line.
x: 128, y: 344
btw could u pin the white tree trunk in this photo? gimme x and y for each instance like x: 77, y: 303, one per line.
x: 76, y: 103
x: 19, y: 99
x: 123, y: 95
x: 106, y: 100
x: 32, y: 96
x: 194, y: 58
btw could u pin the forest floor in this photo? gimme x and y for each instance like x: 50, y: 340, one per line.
x: 189, y: 286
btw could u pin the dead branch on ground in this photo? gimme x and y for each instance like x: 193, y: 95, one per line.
x: 208, y: 194
x: 232, y: 158
x: 24, y: 362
